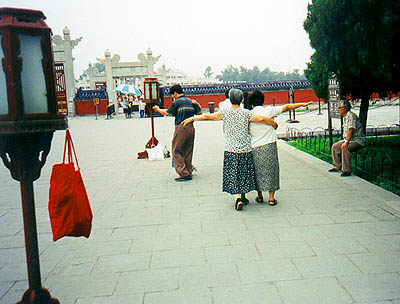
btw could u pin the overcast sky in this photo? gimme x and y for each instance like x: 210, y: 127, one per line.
x: 189, y: 35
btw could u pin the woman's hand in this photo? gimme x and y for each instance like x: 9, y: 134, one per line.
x: 187, y: 121
x: 275, y: 125
x: 156, y: 108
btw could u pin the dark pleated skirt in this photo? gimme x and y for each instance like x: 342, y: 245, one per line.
x: 238, y: 174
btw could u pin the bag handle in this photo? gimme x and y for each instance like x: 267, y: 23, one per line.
x: 69, y: 148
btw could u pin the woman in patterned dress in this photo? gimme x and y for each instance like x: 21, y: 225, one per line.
x: 238, y: 173
x: 265, y: 150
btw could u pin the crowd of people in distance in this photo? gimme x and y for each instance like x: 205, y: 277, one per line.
x: 250, y: 141
x: 127, y: 102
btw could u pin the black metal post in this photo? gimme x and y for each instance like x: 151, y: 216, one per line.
x: 273, y: 101
x: 330, y: 126
x: 319, y: 106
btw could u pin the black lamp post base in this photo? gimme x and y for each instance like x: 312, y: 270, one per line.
x: 292, y: 121
x: 41, y: 296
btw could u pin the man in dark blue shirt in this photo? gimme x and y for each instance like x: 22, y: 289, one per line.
x: 183, y: 138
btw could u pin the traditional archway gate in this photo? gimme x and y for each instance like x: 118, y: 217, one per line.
x: 61, y: 88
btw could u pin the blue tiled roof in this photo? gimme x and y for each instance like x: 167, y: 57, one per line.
x: 82, y: 94
x: 209, y: 89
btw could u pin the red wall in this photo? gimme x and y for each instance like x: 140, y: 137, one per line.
x: 87, y: 107
x: 281, y: 97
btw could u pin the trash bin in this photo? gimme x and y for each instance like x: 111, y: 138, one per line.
x: 211, y: 107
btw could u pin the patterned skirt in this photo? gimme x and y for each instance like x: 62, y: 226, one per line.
x: 238, y: 175
x: 267, y: 167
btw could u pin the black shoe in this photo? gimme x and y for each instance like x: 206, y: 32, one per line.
x: 333, y: 170
x: 183, y: 178
x: 345, y: 174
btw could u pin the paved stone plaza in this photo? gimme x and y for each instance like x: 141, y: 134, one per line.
x: 329, y: 240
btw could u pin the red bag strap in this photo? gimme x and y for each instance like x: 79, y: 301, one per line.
x: 69, y: 148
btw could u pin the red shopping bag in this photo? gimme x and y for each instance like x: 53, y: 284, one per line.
x: 69, y: 208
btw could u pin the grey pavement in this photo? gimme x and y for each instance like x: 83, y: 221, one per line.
x: 329, y: 240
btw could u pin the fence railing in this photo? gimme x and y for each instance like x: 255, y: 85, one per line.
x: 376, y: 162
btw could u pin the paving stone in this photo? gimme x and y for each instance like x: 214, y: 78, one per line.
x: 122, y: 262
x: 313, y: 291
x: 300, y: 233
x: 309, y: 220
x: 133, y: 232
x: 352, y: 217
x: 252, y: 236
x: 131, y: 299
x: 155, y: 243
x: 325, y: 266
x: 281, y: 250
x: 154, y: 280
x: 89, y: 286
x: 203, y: 240
x: 375, y: 287
x: 178, y: 229
x: 254, y: 294
x: 180, y: 296
x: 336, y: 246
x: 234, y: 253
x: 179, y: 257
x: 266, y: 222
x: 267, y: 271
x: 224, y: 226
x: 210, y: 275
x: 381, y: 262
x: 380, y: 243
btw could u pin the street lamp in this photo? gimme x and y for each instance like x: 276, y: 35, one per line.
x: 28, y: 119
x: 151, y: 98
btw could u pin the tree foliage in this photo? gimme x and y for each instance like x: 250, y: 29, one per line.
x: 208, y: 72
x: 355, y: 39
x: 233, y: 74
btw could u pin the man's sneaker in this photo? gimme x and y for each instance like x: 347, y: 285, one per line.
x: 345, y: 174
x: 183, y: 178
x: 333, y: 170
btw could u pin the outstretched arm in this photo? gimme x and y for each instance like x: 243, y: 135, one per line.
x: 162, y: 111
x: 263, y: 119
x: 214, y: 116
x: 293, y: 106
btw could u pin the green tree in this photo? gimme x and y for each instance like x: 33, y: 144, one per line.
x: 317, y: 74
x: 208, y: 72
x: 100, y: 67
x: 355, y: 39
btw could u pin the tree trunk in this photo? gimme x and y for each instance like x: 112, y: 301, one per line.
x: 364, y: 111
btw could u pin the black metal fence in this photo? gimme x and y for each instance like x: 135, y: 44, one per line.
x: 377, y: 162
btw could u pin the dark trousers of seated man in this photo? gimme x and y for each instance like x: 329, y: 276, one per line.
x: 342, y: 158
x: 182, y: 149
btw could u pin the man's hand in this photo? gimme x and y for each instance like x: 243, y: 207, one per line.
x: 156, y: 108
x: 275, y: 125
x: 344, y: 145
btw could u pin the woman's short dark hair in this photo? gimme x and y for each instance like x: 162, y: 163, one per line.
x: 236, y: 96
x: 177, y: 88
x: 256, y: 98
x: 345, y: 104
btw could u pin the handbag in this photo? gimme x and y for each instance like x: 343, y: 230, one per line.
x: 69, y: 208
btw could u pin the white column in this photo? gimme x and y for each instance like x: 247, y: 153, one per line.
x: 109, y: 79
x: 69, y: 69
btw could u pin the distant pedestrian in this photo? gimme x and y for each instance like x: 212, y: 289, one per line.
x: 354, y: 139
x: 141, y: 106
x: 125, y: 106
x: 238, y: 173
x: 183, y: 138
x: 264, y: 146
x: 225, y: 104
